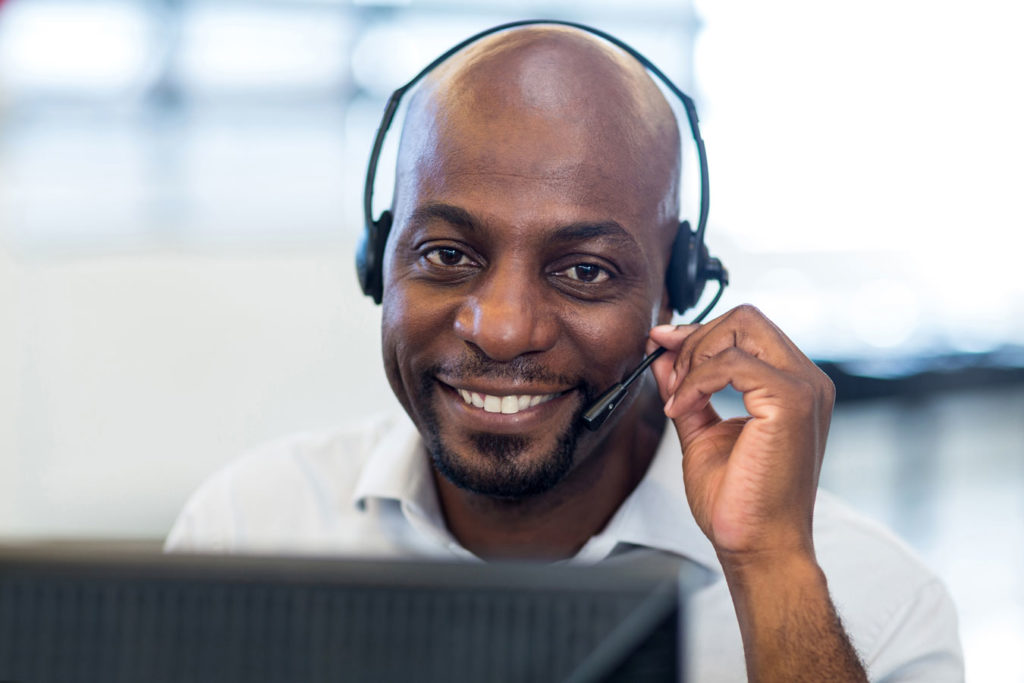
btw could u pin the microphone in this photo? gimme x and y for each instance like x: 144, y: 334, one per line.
x: 600, y: 409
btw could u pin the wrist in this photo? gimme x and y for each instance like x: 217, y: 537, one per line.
x: 780, y: 573
x: 789, y: 626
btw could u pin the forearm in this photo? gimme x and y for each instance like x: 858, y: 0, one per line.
x: 790, y: 628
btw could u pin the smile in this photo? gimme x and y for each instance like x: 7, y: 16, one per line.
x: 507, y: 405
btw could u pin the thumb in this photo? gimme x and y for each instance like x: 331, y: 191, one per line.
x: 672, y: 336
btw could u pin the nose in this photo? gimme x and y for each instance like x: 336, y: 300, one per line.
x: 506, y: 316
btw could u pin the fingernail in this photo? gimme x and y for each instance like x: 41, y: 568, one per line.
x: 668, y: 404
x: 672, y: 379
x: 664, y: 328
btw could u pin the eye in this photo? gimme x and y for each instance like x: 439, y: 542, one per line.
x: 589, y: 273
x: 449, y: 257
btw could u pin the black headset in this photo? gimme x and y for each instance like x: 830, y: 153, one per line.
x: 690, y: 266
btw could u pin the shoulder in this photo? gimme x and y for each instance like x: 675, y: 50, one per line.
x: 331, y: 458
x: 851, y: 543
x: 283, y: 489
x: 897, y: 612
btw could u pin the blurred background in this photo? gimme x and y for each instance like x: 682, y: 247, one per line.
x: 179, y: 202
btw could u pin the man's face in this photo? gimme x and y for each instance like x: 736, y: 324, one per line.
x: 523, y: 272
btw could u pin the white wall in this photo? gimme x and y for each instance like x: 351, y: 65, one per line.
x: 128, y: 378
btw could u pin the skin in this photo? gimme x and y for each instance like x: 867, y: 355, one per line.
x: 535, y: 205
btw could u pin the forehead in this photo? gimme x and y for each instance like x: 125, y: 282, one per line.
x: 518, y: 168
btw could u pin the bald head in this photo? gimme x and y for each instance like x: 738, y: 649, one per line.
x: 547, y: 102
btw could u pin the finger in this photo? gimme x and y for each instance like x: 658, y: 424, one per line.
x: 666, y: 368
x: 681, y: 359
x: 765, y: 388
x: 689, y: 425
x: 748, y: 329
x: 669, y: 337
x: 771, y: 396
x: 672, y: 336
x: 663, y: 369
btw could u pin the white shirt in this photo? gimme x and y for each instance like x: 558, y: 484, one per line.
x: 368, y: 491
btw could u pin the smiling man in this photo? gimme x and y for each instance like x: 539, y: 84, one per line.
x: 536, y: 203
x: 527, y: 267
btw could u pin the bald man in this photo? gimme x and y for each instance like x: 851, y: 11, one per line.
x: 536, y: 202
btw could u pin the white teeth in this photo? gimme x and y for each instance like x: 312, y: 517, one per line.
x: 507, y: 405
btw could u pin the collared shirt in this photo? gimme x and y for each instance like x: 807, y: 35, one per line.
x: 369, y: 491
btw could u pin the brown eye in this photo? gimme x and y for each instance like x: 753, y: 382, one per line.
x: 447, y: 256
x: 586, y: 272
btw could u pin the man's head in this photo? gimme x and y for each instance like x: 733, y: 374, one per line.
x: 535, y: 206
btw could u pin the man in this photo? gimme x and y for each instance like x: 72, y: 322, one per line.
x: 536, y: 202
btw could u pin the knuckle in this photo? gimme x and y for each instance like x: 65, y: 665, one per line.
x: 805, y: 396
x: 804, y: 389
x: 809, y: 388
x: 690, y: 345
x: 703, y: 353
x: 828, y: 390
x: 747, y: 312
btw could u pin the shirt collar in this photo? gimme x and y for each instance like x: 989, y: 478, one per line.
x: 655, y: 515
x: 398, y: 470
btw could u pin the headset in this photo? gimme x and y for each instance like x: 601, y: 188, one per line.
x: 690, y: 266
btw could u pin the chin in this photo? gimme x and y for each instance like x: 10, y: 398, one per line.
x: 505, y: 466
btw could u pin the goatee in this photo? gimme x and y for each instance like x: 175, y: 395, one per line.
x: 505, y: 474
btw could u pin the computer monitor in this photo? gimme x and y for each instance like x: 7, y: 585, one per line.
x: 68, y: 615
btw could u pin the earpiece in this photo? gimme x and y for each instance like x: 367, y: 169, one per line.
x: 682, y: 279
x: 690, y: 266
x: 689, y: 269
x: 370, y: 257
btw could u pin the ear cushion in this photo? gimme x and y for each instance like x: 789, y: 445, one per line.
x: 370, y: 257
x: 684, y: 278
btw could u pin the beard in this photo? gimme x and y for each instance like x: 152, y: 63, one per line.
x: 506, y: 474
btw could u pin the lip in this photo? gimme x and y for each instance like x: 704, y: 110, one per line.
x: 495, y: 389
x: 527, y: 419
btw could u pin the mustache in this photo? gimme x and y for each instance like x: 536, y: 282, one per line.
x: 519, y: 369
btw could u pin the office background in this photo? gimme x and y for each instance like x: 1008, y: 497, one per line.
x: 179, y: 201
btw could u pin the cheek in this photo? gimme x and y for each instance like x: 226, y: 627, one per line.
x: 611, y: 342
x: 403, y: 330
x: 413, y: 325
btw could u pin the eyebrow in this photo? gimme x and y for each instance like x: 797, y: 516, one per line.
x: 446, y: 212
x: 574, y: 232
x: 586, y: 230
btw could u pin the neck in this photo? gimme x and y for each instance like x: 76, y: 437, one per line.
x: 555, y: 525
